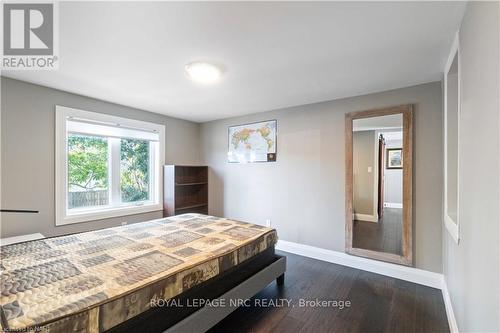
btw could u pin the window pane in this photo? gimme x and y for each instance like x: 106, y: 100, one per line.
x: 134, y: 166
x: 87, y: 171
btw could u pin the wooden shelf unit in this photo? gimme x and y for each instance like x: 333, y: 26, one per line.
x: 185, y: 189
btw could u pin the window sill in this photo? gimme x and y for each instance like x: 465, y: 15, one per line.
x: 106, y: 214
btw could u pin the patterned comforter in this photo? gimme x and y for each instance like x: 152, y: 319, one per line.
x: 93, y: 281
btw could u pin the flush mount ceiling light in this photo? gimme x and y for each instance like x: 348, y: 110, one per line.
x: 203, y: 72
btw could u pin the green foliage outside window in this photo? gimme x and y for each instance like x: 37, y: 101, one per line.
x: 87, y: 162
x: 88, y: 170
x: 134, y: 170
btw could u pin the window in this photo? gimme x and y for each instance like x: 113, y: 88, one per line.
x: 87, y: 171
x: 451, y: 140
x: 106, y: 166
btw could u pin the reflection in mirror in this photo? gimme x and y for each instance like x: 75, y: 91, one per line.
x: 377, y: 163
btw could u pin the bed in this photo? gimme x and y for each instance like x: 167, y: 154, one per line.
x: 117, y: 279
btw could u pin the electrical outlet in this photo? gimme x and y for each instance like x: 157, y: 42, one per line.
x: 268, y: 223
x: 124, y: 223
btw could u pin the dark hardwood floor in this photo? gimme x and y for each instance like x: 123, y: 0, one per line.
x: 378, y: 303
x: 383, y: 236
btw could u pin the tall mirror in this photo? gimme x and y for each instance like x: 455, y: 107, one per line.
x: 378, y: 184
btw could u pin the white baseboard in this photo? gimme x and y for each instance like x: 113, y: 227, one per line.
x: 364, y: 217
x: 393, y: 205
x: 452, y: 321
x: 411, y: 274
x: 22, y: 238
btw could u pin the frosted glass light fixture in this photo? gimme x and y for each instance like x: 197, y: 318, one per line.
x: 203, y: 72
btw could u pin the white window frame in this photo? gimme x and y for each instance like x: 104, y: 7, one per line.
x: 61, y: 135
x: 452, y: 227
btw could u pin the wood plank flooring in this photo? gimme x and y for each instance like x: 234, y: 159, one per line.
x: 383, y: 236
x: 378, y: 303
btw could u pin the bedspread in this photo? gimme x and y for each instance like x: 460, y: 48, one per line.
x: 93, y: 281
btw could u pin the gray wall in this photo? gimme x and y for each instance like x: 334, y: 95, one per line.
x: 27, y: 165
x: 472, y: 268
x: 363, y: 156
x: 303, y: 192
x: 393, y: 178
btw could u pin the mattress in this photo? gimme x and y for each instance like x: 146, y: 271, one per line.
x: 93, y: 281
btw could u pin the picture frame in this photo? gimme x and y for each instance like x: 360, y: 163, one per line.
x: 394, y: 158
x: 244, y: 145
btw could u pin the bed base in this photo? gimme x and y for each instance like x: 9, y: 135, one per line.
x: 240, y: 282
x: 207, y: 317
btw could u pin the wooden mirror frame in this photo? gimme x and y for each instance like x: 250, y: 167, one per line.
x: 407, y: 248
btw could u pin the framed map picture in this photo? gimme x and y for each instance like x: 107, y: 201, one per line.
x: 255, y: 142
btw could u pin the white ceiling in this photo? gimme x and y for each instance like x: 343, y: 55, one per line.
x: 393, y: 136
x: 275, y: 54
x: 378, y: 123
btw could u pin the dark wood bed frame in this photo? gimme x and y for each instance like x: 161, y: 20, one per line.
x: 238, y: 283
